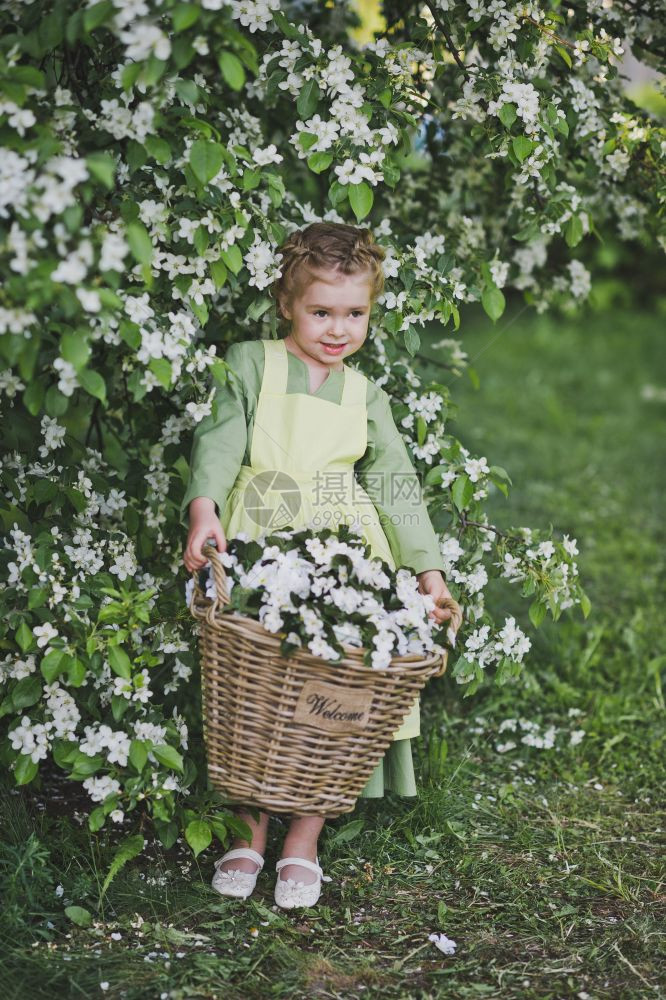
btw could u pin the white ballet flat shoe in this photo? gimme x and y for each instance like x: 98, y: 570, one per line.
x: 235, y: 882
x: 290, y: 893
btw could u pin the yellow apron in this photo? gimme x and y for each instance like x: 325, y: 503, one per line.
x: 301, y: 469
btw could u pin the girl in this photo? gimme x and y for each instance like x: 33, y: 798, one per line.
x: 301, y: 437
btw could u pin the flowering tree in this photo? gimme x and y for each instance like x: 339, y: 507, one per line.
x: 155, y: 156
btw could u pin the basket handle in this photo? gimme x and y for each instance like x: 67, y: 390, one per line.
x: 455, y: 622
x: 210, y: 552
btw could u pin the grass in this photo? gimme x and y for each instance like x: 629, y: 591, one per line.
x: 544, y: 865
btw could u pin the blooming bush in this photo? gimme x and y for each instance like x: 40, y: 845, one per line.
x: 155, y: 155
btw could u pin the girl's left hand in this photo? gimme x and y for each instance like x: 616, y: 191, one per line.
x: 432, y: 582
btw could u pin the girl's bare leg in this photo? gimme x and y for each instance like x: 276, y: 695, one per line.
x: 257, y: 843
x: 301, y: 842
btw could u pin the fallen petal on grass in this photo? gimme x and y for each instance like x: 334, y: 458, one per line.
x: 445, y: 944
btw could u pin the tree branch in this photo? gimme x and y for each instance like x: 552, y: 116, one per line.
x: 449, y: 41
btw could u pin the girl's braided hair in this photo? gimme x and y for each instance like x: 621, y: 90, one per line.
x: 324, y: 245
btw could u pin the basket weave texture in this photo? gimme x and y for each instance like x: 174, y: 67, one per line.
x: 297, y: 734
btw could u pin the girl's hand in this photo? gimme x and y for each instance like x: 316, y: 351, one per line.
x: 432, y: 582
x: 204, y: 525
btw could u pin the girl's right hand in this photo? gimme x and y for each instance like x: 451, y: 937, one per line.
x: 204, y: 525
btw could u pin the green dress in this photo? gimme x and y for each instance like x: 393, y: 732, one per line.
x: 343, y: 435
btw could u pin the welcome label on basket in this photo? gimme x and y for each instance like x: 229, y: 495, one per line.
x: 328, y: 707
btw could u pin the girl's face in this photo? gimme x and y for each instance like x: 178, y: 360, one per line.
x: 329, y: 318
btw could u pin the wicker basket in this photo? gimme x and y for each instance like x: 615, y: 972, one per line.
x: 296, y: 734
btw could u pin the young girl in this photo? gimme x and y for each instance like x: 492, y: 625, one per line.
x: 301, y: 438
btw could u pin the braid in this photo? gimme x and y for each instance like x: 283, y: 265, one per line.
x: 326, y: 245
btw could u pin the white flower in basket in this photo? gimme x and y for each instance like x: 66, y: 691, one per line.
x: 323, y: 592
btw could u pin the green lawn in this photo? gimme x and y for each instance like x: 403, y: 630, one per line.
x: 544, y: 865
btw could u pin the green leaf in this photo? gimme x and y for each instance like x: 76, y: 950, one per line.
x: 232, y: 69
x: 76, y: 672
x: 96, y: 819
x: 138, y: 754
x: 102, y: 167
x: 119, y: 705
x: 33, y: 397
x: 27, y: 691
x: 206, y: 158
x: 573, y: 231
x: 94, y: 16
x: 37, y: 597
x: 522, y: 147
x: 188, y: 92
x: 537, y: 613
x: 308, y: 99
x: 162, y: 370
x: 135, y: 154
x: 462, y: 492
x: 486, y: 273
x: 25, y: 770
x: 130, y: 848
x: 52, y: 665
x: 64, y: 752
x: 251, y: 180
x: 184, y: 15
x: 258, y: 307
x: 393, y: 321
x: 434, y: 476
x: 528, y: 232
x: 28, y: 74
x: 306, y: 139
x: 200, y: 311
x: 361, y: 198
x: 348, y: 832
x: 168, y: 756
x: 201, y: 239
x: 24, y: 637
x: 507, y: 114
x: 317, y: 162
x: 7, y: 706
x: 412, y: 340
x: 79, y: 916
x: 167, y: 833
x: 93, y: 383
x: 120, y: 662
x: 75, y: 348
x: 129, y: 74
x: 585, y: 604
x: 159, y: 149
x: 288, y: 29
x: 198, y: 834
x: 337, y: 192
x: 139, y: 242
x: 493, y: 302
x: 457, y: 829
x: 51, y: 29
x: 564, y: 54
x: 562, y: 126
x: 85, y: 766
x: 218, y: 272
x: 153, y: 69
x: 233, y: 258
x: 73, y: 217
